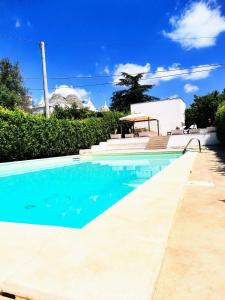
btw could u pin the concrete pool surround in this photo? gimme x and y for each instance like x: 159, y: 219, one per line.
x: 116, y: 256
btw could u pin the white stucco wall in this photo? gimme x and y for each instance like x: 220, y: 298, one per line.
x: 170, y: 113
x: 177, y: 141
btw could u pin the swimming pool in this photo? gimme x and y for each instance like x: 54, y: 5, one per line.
x: 73, y: 194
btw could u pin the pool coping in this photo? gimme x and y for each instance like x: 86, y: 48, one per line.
x: 69, y: 157
x: 25, y: 166
x: 116, y: 256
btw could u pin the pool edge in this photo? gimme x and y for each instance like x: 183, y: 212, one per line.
x: 123, y: 217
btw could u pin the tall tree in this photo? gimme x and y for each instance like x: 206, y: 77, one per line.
x: 12, y: 90
x: 135, y: 92
x: 202, y: 111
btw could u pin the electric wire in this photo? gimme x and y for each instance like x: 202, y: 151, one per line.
x: 144, y: 79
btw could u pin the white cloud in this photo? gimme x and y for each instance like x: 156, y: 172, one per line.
x: 163, y: 73
x: 198, y: 26
x: 130, y: 69
x: 106, y: 70
x: 66, y: 90
x: 200, y: 72
x: 189, y: 88
x: 18, y: 23
x: 175, y: 96
x: 166, y: 74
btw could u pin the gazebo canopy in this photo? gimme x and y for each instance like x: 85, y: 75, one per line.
x: 139, y: 117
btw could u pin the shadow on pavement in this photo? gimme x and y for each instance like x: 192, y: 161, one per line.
x: 220, y: 158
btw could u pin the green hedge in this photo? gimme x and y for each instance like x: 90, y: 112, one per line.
x: 23, y: 136
x: 220, y: 123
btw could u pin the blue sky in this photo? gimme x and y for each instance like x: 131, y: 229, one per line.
x: 92, y: 38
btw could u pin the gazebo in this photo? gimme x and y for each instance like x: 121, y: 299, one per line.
x: 139, y: 117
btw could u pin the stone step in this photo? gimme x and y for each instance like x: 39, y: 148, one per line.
x: 84, y: 151
x: 157, y: 147
x: 128, y: 140
x: 103, y: 143
x: 152, y: 143
x: 121, y: 147
x: 157, y: 142
x: 121, y: 144
x: 161, y: 145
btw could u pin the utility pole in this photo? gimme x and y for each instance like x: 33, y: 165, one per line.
x: 45, y: 82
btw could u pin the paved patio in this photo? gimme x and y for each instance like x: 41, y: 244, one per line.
x: 119, y: 255
x: 194, y: 264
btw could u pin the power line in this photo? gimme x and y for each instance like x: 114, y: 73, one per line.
x: 184, y: 73
x: 151, y: 77
x: 118, y: 75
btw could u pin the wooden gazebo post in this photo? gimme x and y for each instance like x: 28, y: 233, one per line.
x: 148, y: 124
x: 158, y: 126
x: 121, y: 128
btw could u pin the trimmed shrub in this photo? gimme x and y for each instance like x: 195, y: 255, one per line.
x: 220, y: 123
x: 23, y: 136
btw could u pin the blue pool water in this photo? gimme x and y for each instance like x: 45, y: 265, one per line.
x: 75, y: 194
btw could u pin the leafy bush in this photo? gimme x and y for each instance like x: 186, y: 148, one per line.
x: 202, y: 111
x: 73, y: 113
x: 23, y: 136
x: 220, y: 123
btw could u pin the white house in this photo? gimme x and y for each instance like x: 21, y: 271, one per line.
x: 169, y: 112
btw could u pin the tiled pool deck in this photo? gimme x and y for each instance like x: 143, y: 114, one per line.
x: 194, y: 264
x: 115, y: 257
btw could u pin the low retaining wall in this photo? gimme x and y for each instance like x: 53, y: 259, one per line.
x: 207, y: 139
